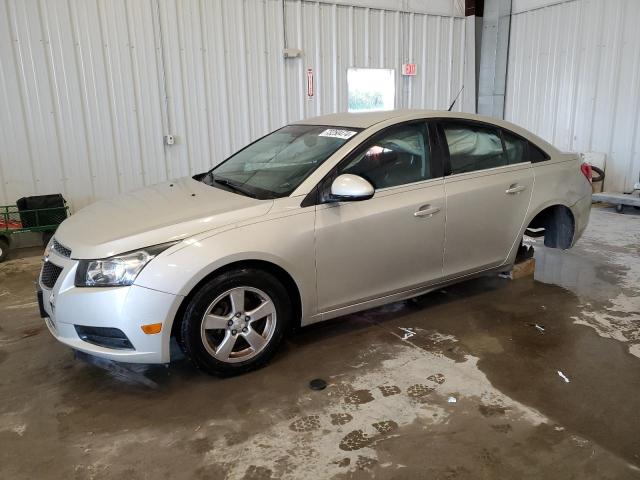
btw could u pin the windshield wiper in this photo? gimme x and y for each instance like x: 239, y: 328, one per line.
x: 233, y: 186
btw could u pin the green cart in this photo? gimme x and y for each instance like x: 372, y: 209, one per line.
x: 14, y: 220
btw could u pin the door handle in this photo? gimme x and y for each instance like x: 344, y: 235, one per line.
x: 514, y: 189
x: 426, y: 211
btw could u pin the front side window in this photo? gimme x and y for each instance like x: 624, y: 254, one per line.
x: 276, y: 165
x: 473, y: 147
x: 397, y: 157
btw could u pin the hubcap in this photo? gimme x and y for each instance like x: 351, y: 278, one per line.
x: 238, y: 324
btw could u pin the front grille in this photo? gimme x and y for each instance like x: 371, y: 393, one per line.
x: 61, y: 249
x: 50, y: 274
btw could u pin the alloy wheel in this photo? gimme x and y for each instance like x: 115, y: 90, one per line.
x: 238, y: 324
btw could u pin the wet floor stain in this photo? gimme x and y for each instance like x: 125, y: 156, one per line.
x: 388, y: 390
x: 491, y: 410
x: 419, y: 391
x: 306, y: 424
x: 356, y: 440
x: 386, y: 426
x: 359, y: 397
x: 502, y: 427
x: 31, y: 332
x: 437, y: 378
x: 235, y: 438
x: 365, y: 463
x: 345, y: 462
x: 340, y: 418
x: 257, y: 473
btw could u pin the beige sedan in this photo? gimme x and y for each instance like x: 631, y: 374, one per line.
x: 321, y: 218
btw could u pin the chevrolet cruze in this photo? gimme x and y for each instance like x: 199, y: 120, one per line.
x: 323, y: 217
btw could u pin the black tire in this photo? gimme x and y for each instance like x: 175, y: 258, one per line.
x: 4, y: 248
x: 191, y: 336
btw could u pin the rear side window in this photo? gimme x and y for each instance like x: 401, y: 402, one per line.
x: 515, y: 148
x: 473, y: 147
x: 536, y: 155
x: 397, y: 157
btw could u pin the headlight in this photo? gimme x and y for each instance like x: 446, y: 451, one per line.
x: 117, y: 271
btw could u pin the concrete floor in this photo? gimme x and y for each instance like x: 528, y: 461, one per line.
x: 457, y: 384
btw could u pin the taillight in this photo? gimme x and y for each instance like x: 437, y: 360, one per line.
x: 585, y: 168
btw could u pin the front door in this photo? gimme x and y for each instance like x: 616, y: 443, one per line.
x: 488, y: 192
x: 393, y: 241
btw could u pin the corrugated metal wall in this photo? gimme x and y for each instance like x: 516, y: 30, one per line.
x: 574, y: 78
x: 89, y: 87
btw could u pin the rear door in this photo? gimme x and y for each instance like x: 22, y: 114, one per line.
x: 488, y: 187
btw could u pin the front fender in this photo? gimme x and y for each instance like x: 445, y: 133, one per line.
x: 287, y: 241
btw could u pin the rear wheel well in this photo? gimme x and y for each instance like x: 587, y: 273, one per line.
x: 558, y: 224
x: 281, y: 274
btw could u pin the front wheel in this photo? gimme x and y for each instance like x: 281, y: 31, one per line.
x: 235, y: 322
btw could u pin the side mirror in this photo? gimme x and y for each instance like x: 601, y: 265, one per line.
x: 349, y: 188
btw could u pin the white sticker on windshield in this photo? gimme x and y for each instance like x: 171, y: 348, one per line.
x: 337, y: 133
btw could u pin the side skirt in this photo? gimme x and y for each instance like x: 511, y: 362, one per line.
x: 404, y: 295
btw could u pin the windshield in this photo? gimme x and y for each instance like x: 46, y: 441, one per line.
x: 275, y: 165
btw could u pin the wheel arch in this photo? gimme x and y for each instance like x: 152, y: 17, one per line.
x: 559, y: 223
x: 265, y: 265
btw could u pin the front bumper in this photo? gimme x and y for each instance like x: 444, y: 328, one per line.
x: 124, y: 308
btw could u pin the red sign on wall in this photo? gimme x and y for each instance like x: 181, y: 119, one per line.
x: 409, y: 69
x: 309, y: 82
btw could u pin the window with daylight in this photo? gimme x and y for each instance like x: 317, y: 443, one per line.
x: 371, y: 89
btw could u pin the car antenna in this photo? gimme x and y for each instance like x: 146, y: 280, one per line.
x: 455, y: 99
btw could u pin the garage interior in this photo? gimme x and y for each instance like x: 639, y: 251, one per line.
x: 491, y: 378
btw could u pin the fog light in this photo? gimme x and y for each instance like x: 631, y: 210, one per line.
x: 152, y: 328
x: 104, y: 337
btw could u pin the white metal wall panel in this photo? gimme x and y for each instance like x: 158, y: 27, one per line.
x: 89, y: 87
x: 81, y: 98
x: 574, y: 78
x: 264, y: 91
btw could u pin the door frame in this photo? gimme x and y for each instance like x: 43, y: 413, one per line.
x: 436, y: 160
x: 444, y: 146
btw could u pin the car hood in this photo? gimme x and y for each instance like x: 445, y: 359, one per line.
x: 149, y: 216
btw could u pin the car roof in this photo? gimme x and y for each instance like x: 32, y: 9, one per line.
x: 355, y: 120
x: 368, y: 119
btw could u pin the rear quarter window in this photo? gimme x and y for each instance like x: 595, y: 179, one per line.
x: 520, y: 150
x: 536, y: 154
